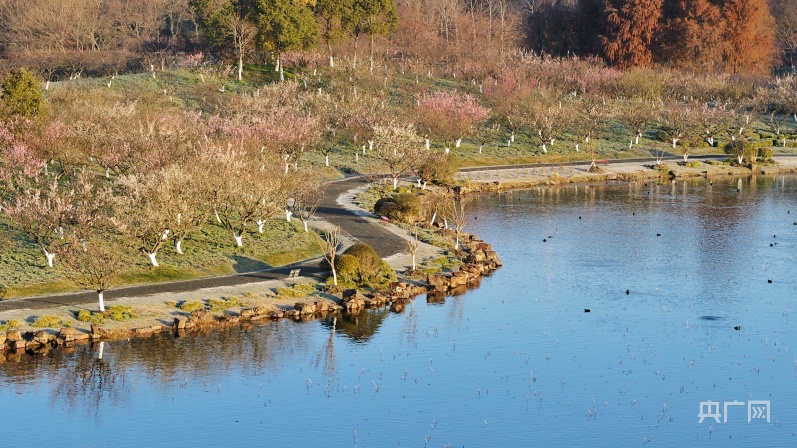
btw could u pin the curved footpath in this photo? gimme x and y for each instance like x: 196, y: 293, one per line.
x: 353, y: 224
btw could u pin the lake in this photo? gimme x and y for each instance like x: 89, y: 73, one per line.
x: 688, y: 284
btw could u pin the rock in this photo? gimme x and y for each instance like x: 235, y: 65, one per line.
x: 43, y: 337
x: 82, y: 337
x: 458, y: 280
x: 247, y: 313
x: 261, y: 310
x: 276, y: 314
x: 13, y: 335
x: 95, y: 331
x: 143, y: 332
x: 322, y: 305
x: 304, y: 308
x: 18, y: 345
x: 179, y: 322
x: 67, y: 334
x: 437, y: 282
x: 292, y: 314
x: 229, y: 319
x: 202, y: 317
x: 478, y: 256
x: 2, y: 340
x: 349, y: 293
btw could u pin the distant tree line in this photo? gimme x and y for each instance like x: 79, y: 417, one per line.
x: 731, y: 36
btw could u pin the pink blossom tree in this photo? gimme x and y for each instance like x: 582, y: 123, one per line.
x: 450, y: 116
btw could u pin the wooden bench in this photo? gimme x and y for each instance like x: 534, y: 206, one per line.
x: 601, y: 162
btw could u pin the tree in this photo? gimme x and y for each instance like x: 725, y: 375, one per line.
x: 332, y: 14
x: 285, y: 25
x: 631, y: 26
x: 42, y: 210
x: 785, y: 13
x: 749, y: 37
x: 94, y: 265
x: 306, y: 199
x: 398, y: 148
x: 372, y: 18
x: 450, y: 115
x: 22, y: 94
x: 329, y: 247
x: 413, y: 244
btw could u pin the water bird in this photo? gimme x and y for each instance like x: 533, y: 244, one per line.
x: 627, y: 292
x: 586, y: 310
x: 658, y: 234
x: 544, y: 240
x: 769, y: 281
x: 737, y: 328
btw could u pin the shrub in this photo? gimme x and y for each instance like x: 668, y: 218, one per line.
x: 386, y: 207
x: 217, y: 305
x: 191, y: 305
x: 737, y: 148
x: 47, y: 322
x: 692, y: 164
x: 92, y: 318
x: 765, y: 154
x: 297, y: 291
x: 409, y: 206
x: 22, y: 94
x: 437, y: 168
x: 373, y: 270
x: 10, y: 325
x: 119, y: 313
x: 347, y: 267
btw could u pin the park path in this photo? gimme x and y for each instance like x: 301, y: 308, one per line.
x: 355, y: 226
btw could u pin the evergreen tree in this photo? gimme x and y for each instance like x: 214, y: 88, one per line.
x: 285, y: 25
x: 22, y: 94
x: 748, y: 36
x: 630, y: 28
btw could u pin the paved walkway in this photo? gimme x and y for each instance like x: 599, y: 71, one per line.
x: 355, y: 226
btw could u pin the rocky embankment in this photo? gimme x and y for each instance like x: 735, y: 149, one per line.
x: 479, y: 261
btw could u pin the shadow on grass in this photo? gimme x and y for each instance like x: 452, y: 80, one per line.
x: 245, y: 264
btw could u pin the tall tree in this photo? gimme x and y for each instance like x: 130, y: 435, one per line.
x: 749, y: 36
x: 285, y: 25
x: 371, y: 18
x: 225, y: 22
x: 332, y: 13
x: 689, y: 37
x: 630, y: 28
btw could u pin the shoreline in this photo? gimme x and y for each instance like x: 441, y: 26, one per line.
x: 249, y: 303
x: 257, y: 302
x: 492, y: 180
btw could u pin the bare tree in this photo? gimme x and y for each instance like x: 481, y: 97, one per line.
x: 93, y: 265
x: 397, y: 148
x: 306, y: 199
x: 329, y: 246
x: 413, y: 244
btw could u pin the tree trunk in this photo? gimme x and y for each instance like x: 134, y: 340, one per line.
x: 447, y: 150
x: 178, y: 246
x: 423, y: 188
x: 260, y: 224
x: 544, y: 149
x: 326, y: 159
x: 240, y: 65
x: 50, y: 257
x: 102, y: 301
x: 216, y: 214
x: 674, y: 142
x: 152, y: 259
x: 395, y: 182
x: 288, y: 214
x: 636, y: 142
x: 434, y: 216
x: 370, y: 145
x: 427, y: 144
x: 371, y: 56
x: 334, y: 275
x: 457, y: 143
x: 481, y: 147
x: 576, y: 147
x: 305, y: 225
x: 239, y: 240
x: 686, y: 156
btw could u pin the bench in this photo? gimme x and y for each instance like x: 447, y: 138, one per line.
x: 600, y: 162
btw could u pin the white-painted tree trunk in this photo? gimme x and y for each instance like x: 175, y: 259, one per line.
x: 363, y: 149
x: 216, y: 214
x: 419, y: 182
x: 305, y: 226
x: 434, y: 216
x: 636, y: 141
x: 356, y: 156
x: 553, y: 140
x: 423, y: 188
x: 586, y: 139
x: 239, y: 240
x: 152, y: 259
x: 395, y: 182
x: 576, y: 147
x: 165, y: 235
x: 544, y: 149
x: 287, y: 167
x: 740, y: 158
x: 512, y: 137
x: 260, y: 224
x: 334, y: 276
x: 458, y: 143
x: 710, y: 141
x: 481, y: 147
x: 101, y: 298
x: 326, y: 159
x: 178, y: 246
x: 447, y: 150
x: 427, y: 144
x: 331, y: 61
x: 674, y: 142
x: 413, y: 261
x: 686, y: 156
x: 370, y: 145
x: 50, y: 257
x: 445, y: 223
x: 288, y: 215
x: 47, y: 85
x: 456, y: 242
x: 240, y: 66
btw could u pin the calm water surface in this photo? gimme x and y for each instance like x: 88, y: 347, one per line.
x: 517, y: 362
